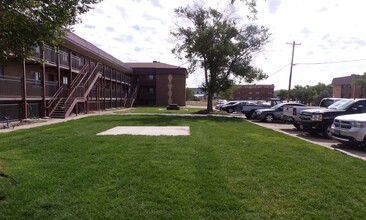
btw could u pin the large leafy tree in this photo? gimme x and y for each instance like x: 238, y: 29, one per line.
x: 213, y: 41
x: 361, y: 82
x: 25, y: 24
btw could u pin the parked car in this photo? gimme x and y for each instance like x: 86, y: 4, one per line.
x: 236, y: 106
x: 220, y: 103
x: 321, y: 120
x: 249, y: 109
x: 350, y: 129
x: 291, y: 114
x: 274, y: 113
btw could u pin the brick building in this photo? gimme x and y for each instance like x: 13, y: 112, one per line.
x: 253, y: 92
x: 160, y: 84
x: 343, y: 87
x: 77, y: 77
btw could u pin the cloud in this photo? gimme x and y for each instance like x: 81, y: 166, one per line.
x: 125, y: 38
x: 89, y: 26
x: 110, y: 29
x: 273, y: 6
x: 156, y: 3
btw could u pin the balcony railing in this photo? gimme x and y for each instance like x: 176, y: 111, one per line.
x: 34, y: 88
x: 50, y: 55
x: 11, y: 86
x: 64, y: 59
x: 76, y: 63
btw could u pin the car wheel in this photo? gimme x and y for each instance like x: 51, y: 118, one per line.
x: 326, y: 131
x: 296, y: 125
x: 247, y: 116
x: 269, y: 118
x: 252, y: 114
x: 230, y: 110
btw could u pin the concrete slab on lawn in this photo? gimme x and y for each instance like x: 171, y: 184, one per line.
x: 148, y: 130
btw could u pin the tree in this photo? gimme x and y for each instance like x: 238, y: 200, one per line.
x: 215, y: 42
x: 321, y: 91
x: 282, y: 94
x: 26, y: 24
x: 360, y: 81
x: 303, y: 94
x: 189, y: 94
x: 228, y: 94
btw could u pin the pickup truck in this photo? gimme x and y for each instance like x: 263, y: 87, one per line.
x: 291, y: 114
x: 350, y: 129
x: 249, y: 110
x: 320, y: 120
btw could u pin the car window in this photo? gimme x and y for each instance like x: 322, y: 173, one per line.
x: 342, y: 104
x: 361, y: 104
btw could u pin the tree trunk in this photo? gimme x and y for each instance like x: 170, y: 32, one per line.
x: 209, y: 101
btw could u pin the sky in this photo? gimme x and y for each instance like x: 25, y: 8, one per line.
x: 329, y: 36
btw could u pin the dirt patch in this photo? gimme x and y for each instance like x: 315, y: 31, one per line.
x: 12, y: 180
x: 22, y: 122
x: 2, y: 199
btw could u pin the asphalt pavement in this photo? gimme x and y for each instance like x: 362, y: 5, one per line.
x: 289, y: 129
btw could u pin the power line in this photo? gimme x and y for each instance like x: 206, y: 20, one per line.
x: 330, y: 62
x: 279, y: 70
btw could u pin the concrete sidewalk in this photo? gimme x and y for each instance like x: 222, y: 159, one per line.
x: 32, y: 123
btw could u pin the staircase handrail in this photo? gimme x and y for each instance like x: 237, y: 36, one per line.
x: 59, y: 91
x: 69, y: 103
x: 133, y: 97
x: 81, y: 74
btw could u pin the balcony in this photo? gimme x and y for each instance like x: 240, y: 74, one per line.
x: 11, y: 87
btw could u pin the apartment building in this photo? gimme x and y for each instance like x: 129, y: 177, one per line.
x: 253, y: 92
x: 78, y: 77
x: 161, y: 84
x: 343, y: 87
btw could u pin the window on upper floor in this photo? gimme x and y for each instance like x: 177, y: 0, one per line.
x: 36, y: 75
x: 37, y: 49
x: 65, y: 80
x: 64, y: 57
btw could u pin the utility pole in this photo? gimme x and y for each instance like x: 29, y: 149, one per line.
x: 292, y: 63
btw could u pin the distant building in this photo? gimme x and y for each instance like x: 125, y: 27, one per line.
x: 253, y: 92
x: 344, y: 88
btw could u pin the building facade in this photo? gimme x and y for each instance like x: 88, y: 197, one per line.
x: 343, y: 87
x: 77, y: 77
x: 161, y: 84
x: 253, y: 92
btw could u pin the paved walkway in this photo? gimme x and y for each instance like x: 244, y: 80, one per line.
x: 31, y: 123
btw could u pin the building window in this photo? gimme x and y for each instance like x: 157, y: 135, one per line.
x: 37, y: 50
x: 65, y: 80
x: 64, y: 57
x: 36, y: 76
x: 150, y: 77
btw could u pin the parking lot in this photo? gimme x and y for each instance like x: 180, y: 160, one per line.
x: 289, y: 129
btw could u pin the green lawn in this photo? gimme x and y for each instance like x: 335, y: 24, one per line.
x: 162, y: 110
x: 226, y: 169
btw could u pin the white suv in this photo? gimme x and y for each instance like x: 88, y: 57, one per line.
x: 350, y: 129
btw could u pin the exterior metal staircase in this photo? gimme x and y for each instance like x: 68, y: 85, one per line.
x: 64, y: 100
x: 131, y: 95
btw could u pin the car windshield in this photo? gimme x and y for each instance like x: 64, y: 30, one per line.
x: 342, y: 104
x: 277, y: 106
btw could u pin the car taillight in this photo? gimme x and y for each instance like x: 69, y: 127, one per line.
x: 294, y: 112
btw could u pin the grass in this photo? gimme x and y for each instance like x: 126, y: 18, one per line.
x: 162, y: 110
x: 226, y: 169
